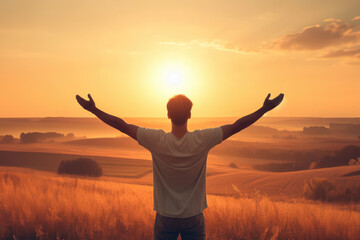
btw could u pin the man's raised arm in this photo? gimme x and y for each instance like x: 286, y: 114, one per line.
x: 244, y: 122
x: 113, y: 121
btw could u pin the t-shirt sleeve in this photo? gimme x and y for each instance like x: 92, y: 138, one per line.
x: 212, y: 136
x: 149, y: 138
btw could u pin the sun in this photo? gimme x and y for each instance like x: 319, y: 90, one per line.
x: 174, y: 78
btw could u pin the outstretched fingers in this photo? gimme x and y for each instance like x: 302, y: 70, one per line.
x: 267, y: 98
x: 89, y: 96
x: 78, y: 98
x: 279, y: 98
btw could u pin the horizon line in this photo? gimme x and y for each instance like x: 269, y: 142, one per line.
x: 167, y: 118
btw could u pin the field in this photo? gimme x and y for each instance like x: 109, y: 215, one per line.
x: 123, y: 160
x: 255, y: 183
x: 38, y: 205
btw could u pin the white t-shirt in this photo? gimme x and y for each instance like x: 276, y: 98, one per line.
x: 179, y: 169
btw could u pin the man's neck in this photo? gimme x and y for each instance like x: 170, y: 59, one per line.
x: 179, y: 131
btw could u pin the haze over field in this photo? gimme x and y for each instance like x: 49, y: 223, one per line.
x: 92, y: 127
x: 235, y: 162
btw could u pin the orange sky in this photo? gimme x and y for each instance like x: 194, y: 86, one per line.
x: 132, y: 56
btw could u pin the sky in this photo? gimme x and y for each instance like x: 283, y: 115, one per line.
x: 226, y: 56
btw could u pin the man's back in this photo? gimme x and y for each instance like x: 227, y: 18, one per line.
x: 179, y: 169
x: 179, y: 164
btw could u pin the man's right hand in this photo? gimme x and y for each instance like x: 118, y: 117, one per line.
x: 271, y: 104
x: 88, y: 105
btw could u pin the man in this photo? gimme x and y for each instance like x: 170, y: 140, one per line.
x: 179, y: 163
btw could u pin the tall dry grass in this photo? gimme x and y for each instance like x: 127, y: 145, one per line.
x: 50, y: 207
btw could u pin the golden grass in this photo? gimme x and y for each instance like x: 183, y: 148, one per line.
x: 34, y: 206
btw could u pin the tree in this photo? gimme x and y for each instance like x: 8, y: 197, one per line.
x: 80, y: 166
x: 7, y: 139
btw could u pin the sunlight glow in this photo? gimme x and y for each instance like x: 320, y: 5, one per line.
x: 174, y: 78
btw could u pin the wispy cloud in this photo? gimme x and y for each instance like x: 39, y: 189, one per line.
x: 333, y: 38
x: 342, y: 53
x: 332, y: 32
x: 215, y: 44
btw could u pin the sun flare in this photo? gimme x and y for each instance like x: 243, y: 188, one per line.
x: 174, y: 78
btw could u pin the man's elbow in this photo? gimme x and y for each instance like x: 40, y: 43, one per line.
x: 228, y: 130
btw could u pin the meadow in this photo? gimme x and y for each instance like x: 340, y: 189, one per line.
x: 41, y: 205
x: 250, y: 193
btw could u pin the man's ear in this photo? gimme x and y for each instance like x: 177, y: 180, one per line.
x: 168, y: 115
x: 189, y: 115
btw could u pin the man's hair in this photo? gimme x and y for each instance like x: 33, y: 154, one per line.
x: 179, y: 108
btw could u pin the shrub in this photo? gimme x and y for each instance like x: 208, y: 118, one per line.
x: 80, y: 166
x: 233, y: 165
x: 354, y: 161
x: 325, y: 190
x: 318, y: 189
x: 7, y: 139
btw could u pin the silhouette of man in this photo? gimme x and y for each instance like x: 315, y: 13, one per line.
x: 179, y: 163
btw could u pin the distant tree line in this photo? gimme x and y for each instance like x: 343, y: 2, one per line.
x: 271, y: 153
x: 339, y: 158
x: 315, y: 159
x: 334, y: 128
x: 33, y: 137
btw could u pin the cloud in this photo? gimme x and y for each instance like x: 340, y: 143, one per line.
x: 333, y: 38
x: 342, y: 53
x: 214, y: 44
x: 332, y: 32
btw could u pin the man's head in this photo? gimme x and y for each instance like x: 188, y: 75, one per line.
x: 179, y: 109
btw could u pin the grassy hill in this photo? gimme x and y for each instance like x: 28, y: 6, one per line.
x: 116, y: 167
x: 40, y: 205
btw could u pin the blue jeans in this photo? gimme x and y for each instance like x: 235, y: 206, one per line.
x: 191, y: 228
